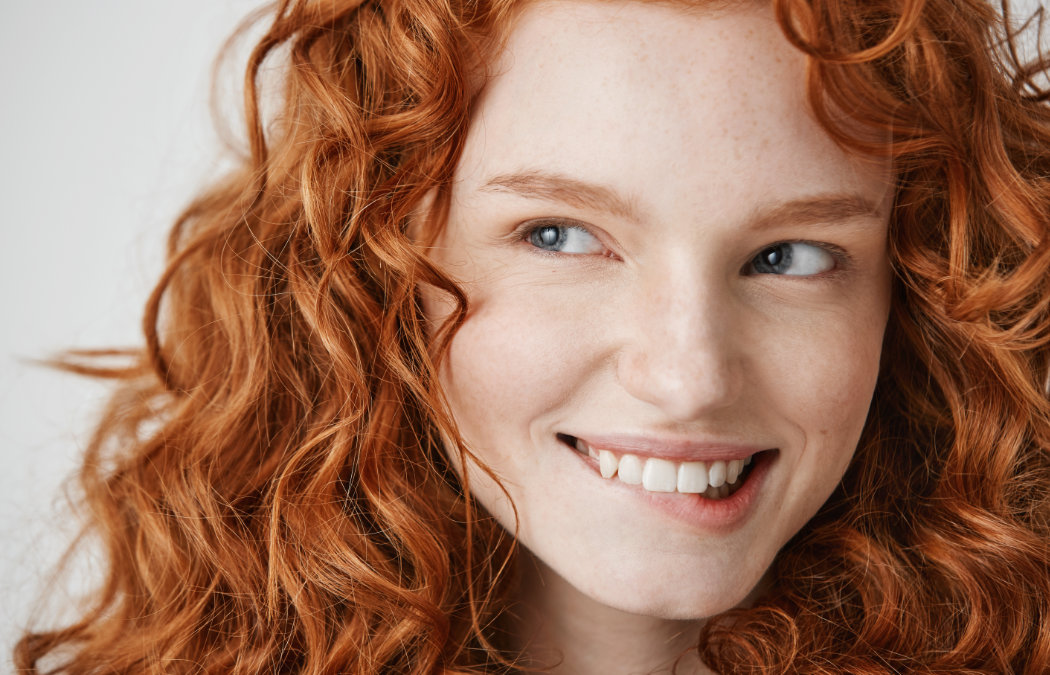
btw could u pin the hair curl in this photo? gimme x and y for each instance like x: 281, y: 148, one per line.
x: 269, y: 482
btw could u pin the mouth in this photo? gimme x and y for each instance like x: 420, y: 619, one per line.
x: 711, y: 479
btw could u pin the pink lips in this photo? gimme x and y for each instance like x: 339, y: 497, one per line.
x: 676, y: 450
x: 712, y: 515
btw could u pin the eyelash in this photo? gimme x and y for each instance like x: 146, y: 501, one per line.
x: 523, y: 233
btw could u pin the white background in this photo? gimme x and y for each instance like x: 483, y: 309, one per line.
x: 105, y: 133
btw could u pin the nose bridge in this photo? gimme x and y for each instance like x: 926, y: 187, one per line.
x: 684, y: 356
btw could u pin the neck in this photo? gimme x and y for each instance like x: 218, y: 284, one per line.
x: 557, y: 625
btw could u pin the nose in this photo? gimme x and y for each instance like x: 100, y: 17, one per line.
x: 683, y: 355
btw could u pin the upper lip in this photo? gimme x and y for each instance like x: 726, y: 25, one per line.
x: 676, y: 449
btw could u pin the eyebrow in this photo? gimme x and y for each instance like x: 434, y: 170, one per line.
x: 827, y: 208
x: 554, y: 187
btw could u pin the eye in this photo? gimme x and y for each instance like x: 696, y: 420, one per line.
x: 571, y: 239
x: 793, y: 259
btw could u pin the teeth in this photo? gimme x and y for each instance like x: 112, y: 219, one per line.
x: 630, y: 470
x: 717, y: 474
x: 711, y: 479
x: 659, y: 475
x: 692, y: 477
x: 733, y: 469
x: 584, y: 449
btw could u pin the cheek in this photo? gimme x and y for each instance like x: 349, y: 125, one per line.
x: 825, y: 394
x: 512, y: 360
x: 512, y: 366
x: 835, y: 380
x: 822, y: 365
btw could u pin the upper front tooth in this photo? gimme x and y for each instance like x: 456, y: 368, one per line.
x: 733, y: 469
x: 717, y: 475
x: 659, y: 475
x: 608, y: 463
x: 692, y: 477
x: 630, y: 470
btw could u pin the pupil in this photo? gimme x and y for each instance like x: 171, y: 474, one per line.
x: 773, y: 260
x: 548, y: 236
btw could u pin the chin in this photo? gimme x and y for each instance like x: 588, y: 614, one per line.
x: 676, y: 603
x: 677, y: 608
x: 675, y: 589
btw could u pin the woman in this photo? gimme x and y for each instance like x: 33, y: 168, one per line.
x: 735, y: 316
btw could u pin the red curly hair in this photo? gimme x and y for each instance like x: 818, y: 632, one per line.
x: 269, y: 483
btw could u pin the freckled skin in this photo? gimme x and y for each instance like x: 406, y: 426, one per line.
x: 699, y: 120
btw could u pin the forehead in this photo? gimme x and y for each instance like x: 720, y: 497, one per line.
x: 609, y: 89
x: 629, y: 54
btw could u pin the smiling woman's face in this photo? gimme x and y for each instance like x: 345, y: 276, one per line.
x: 673, y: 275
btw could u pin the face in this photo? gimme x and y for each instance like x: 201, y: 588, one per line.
x: 678, y: 287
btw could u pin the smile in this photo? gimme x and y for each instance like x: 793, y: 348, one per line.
x: 714, y: 479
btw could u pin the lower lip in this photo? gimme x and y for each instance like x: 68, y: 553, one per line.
x: 696, y: 510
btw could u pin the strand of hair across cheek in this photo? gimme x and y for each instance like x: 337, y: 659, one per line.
x: 933, y: 555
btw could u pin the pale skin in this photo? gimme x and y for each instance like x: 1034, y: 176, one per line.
x: 633, y: 178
